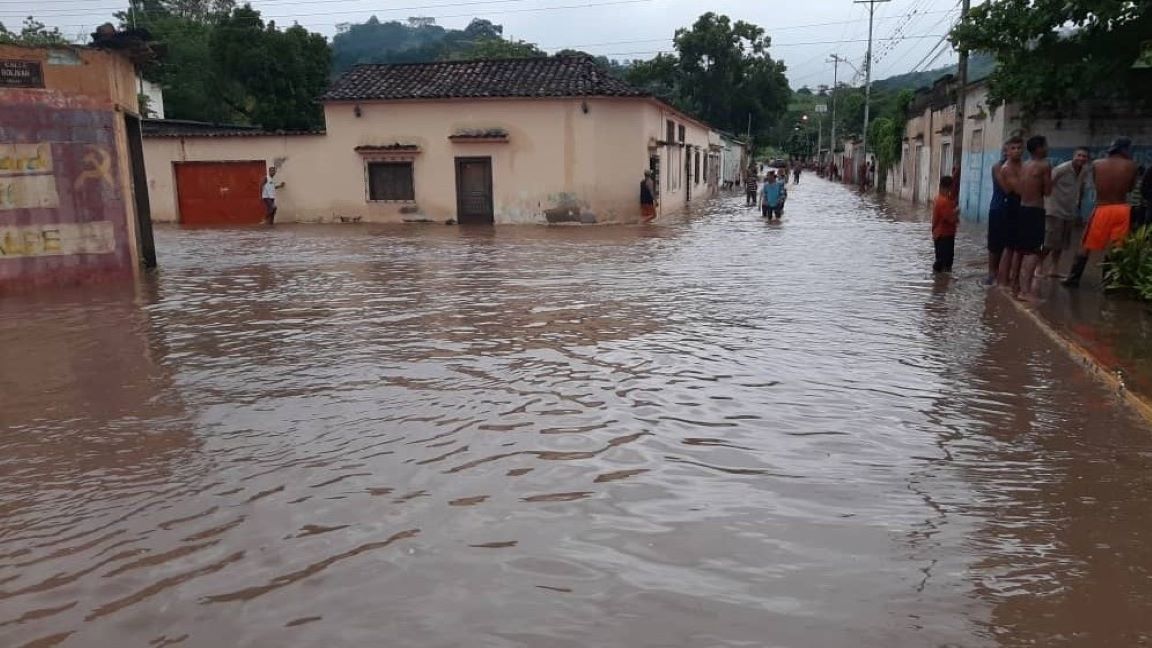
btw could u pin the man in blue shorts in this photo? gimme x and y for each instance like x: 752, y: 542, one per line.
x: 1008, y: 176
x: 997, y: 235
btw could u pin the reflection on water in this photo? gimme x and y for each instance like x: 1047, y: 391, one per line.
x: 709, y: 432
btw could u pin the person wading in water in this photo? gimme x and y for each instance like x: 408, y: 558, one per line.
x: 647, y: 198
x: 268, y: 195
x: 1114, y: 177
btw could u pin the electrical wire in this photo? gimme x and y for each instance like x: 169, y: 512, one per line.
x: 267, y: 18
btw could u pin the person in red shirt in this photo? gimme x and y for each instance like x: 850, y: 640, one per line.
x: 945, y: 218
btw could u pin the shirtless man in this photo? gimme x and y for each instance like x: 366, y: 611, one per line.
x: 1114, y: 177
x: 1009, y: 176
x: 1035, y: 186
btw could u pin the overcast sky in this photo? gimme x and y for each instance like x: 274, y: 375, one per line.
x: 804, y: 32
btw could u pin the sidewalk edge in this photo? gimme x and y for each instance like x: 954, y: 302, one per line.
x: 1081, y: 354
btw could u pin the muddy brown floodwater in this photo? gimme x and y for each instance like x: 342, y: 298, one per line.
x: 710, y: 432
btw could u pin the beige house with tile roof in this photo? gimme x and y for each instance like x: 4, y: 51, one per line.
x: 541, y: 140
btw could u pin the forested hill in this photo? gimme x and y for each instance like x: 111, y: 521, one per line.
x: 979, y: 66
x: 420, y: 39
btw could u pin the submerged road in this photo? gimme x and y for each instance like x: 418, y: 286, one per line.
x: 707, y: 432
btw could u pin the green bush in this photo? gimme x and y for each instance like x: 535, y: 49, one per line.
x: 1129, y: 267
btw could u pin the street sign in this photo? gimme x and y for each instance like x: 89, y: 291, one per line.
x: 821, y: 108
x: 20, y: 73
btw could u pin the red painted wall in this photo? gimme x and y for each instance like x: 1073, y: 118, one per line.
x: 85, y: 170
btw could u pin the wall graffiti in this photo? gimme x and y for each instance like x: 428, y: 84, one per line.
x: 97, y: 166
x: 26, y: 177
x: 59, y: 239
x: 63, y: 204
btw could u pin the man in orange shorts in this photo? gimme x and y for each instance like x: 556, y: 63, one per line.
x: 1114, y: 177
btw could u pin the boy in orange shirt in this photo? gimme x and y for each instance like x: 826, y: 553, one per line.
x: 945, y: 218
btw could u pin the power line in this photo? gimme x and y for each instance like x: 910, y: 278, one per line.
x: 899, y: 30
x: 161, y: 12
x: 868, y: 81
x: 948, y: 14
x: 466, y: 15
x: 797, y: 44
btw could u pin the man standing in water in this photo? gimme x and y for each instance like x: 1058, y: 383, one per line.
x: 1114, y: 177
x: 647, y: 198
x: 997, y: 234
x: 772, y: 197
x: 1008, y: 178
x: 1035, y: 186
x: 1063, y: 207
x: 268, y: 194
x: 750, y: 179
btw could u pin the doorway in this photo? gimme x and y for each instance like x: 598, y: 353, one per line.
x: 687, y: 174
x: 474, y: 191
x: 220, y: 193
x: 144, y: 240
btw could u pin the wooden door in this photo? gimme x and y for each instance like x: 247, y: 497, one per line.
x: 687, y: 173
x: 474, y: 191
x: 220, y: 193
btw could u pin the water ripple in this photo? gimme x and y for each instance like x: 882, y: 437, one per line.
x: 711, y: 431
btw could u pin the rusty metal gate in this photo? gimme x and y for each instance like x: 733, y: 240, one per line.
x: 220, y: 193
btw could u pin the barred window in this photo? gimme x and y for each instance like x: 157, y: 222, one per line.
x: 390, y: 181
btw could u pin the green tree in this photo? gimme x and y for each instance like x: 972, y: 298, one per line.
x: 32, y: 32
x: 721, y: 72
x: 1054, y: 53
x: 498, y: 48
x: 223, y: 64
x: 657, y: 76
x: 421, y: 40
x: 268, y: 76
x: 727, y: 74
x: 886, y: 133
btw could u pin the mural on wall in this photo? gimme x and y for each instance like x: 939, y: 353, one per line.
x: 26, y: 179
x: 59, y: 195
x: 62, y: 238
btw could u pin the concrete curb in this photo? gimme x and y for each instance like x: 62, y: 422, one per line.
x: 1109, y: 376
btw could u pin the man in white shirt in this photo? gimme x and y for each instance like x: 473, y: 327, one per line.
x: 269, y: 195
x: 1063, y: 207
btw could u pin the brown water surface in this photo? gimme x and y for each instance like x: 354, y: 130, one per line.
x: 709, y: 432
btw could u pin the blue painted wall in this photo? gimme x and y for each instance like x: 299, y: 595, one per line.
x: 976, y: 181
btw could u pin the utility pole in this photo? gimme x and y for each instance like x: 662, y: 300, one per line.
x: 868, y: 80
x: 748, y: 139
x: 961, y: 96
x: 836, y: 60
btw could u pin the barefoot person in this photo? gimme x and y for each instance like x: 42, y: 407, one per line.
x: 1063, y: 208
x: 647, y: 198
x: 268, y: 195
x: 1035, y: 186
x: 945, y: 219
x: 1114, y: 177
x: 1009, y: 177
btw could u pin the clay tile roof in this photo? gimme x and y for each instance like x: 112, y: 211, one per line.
x: 556, y: 76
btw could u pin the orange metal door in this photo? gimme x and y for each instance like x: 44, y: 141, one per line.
x: 220, y: 193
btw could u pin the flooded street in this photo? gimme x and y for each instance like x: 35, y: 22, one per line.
x: 708, y: 432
